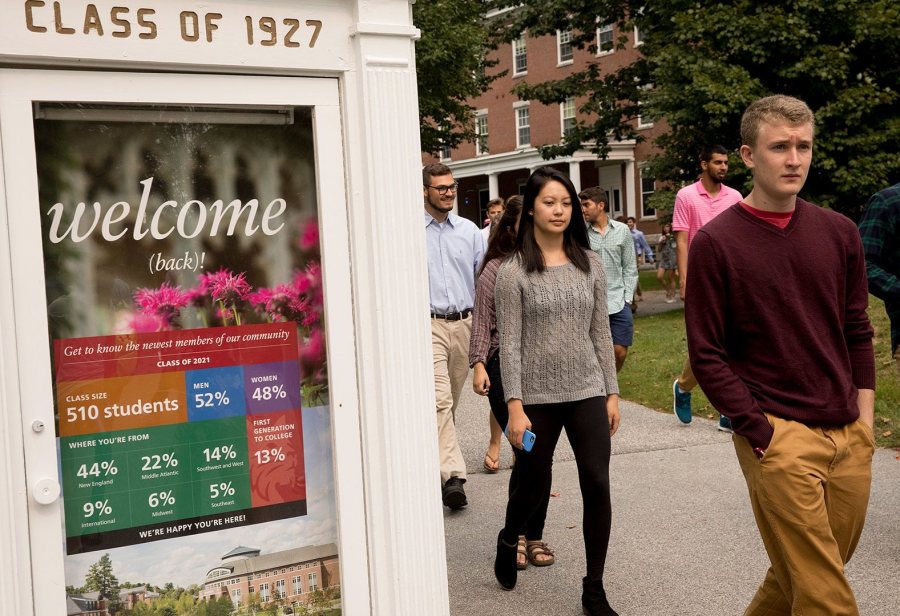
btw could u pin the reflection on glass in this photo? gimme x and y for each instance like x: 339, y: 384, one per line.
x: 178, y: 219
x: 158, y: 226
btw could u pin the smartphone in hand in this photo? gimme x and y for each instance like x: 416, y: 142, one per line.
x: 528, y: 439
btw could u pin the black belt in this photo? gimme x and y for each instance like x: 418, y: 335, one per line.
x: 453, y: 316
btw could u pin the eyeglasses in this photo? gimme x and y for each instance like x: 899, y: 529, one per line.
x: 442, y: 190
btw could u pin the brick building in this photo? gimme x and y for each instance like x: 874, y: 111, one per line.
x: 510, y: 131
x: 289, y: 575
x: 130, y: 597
x: 86, y: 604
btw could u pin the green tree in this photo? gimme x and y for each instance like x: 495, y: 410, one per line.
x: 450, y: 68
x: 706, y: 70
x: 101, y: 578
x: 704, y: 63
x: 608, y: 101
x: 220, y: 606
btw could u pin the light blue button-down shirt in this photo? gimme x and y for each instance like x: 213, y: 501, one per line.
x: 616, y: 249
x: 455, y: 250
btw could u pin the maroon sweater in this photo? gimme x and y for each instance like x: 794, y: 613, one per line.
x: 776, y: 319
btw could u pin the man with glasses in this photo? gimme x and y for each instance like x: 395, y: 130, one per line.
x: 455, y: 247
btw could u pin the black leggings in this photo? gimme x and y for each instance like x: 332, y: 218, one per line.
x: 533, y: 529
x: 587, y: 427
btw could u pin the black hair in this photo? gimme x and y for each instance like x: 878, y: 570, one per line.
x: 595, y: 194
x: 575, y: 239
x: 503, y: 237
x: 707, y: 152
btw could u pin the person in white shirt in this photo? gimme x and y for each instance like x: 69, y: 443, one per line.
x: 495, y: 209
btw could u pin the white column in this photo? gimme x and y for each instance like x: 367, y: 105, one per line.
x: 631, y: 187
x: 493, y: 185
x: 276, y: 250
x: 575, y: 174
x: 15, y: 567
x: 404, y: 515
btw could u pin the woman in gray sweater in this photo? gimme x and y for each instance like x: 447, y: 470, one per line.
x: 559, y: 371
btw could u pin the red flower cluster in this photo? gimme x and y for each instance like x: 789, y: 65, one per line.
x: 164, y: 302
x: 227, y: 287
x: 227, y: 297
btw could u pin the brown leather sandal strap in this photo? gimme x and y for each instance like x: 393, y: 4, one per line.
x: 539, y: 554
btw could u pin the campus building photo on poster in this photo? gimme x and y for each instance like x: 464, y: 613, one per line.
x: 186, y: 315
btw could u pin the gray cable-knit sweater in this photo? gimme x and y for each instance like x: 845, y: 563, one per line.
x: 555, y: 344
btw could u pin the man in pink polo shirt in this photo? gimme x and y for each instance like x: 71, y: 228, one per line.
x: 696, y: 205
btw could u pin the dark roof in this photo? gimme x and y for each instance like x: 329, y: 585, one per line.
x: 242, y: 551
x: 77, y: 604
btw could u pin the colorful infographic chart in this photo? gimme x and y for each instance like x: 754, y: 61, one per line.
x: 176, y: 433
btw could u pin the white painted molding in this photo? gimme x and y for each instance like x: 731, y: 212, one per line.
x: 631, y: 187
x: 15, y: 566
x: 408, y: 570
x: 392, y: 30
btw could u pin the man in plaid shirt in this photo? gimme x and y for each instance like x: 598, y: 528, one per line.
x: 880, y: 232
x: 613, y: 242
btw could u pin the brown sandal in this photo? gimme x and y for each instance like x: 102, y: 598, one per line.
x: 491, y: 465
x: 539, y: 554
x: 521, y: 554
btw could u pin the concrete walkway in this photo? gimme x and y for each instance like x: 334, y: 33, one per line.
x: 683, y: 539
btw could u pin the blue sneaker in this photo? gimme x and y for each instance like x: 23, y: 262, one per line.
x: 725, y: 424
x: 682, y: 404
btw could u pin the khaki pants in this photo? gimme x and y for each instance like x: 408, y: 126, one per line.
x: 450, y: 347
x: 809, y: 495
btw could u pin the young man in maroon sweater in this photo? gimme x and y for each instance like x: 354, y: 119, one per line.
x: 781, y: 344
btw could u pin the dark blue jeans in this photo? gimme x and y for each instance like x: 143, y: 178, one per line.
x: 533, y: 529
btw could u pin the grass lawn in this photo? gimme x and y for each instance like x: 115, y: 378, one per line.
x: 648, y: 281
x: 660, y: 348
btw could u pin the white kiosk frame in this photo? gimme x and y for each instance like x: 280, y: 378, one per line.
x: 19, y: 90
x: 361, y: 82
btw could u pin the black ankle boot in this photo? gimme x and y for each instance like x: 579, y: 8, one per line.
x: 505, y: 563
x: 593, y: 599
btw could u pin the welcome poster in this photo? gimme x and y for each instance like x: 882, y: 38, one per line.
x: 185, y: 307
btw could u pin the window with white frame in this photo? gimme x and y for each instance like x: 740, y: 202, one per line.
x: 567, y: 111
x: 520, y: 59
x: 279, y: 589
x: 297, y: 586
x: 523, y: 127
x: 481, y: 133
x: 313, y: 582
x: 264, y: 592
x: 605, y: 39
x: 444, y: 152
x: 648, y: 187
x: 638, y: 35
x: 642, y: 120
x: 564, y: 46
x: 236, y: 596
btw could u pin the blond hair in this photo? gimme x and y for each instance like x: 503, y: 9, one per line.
x: 773, y: 109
